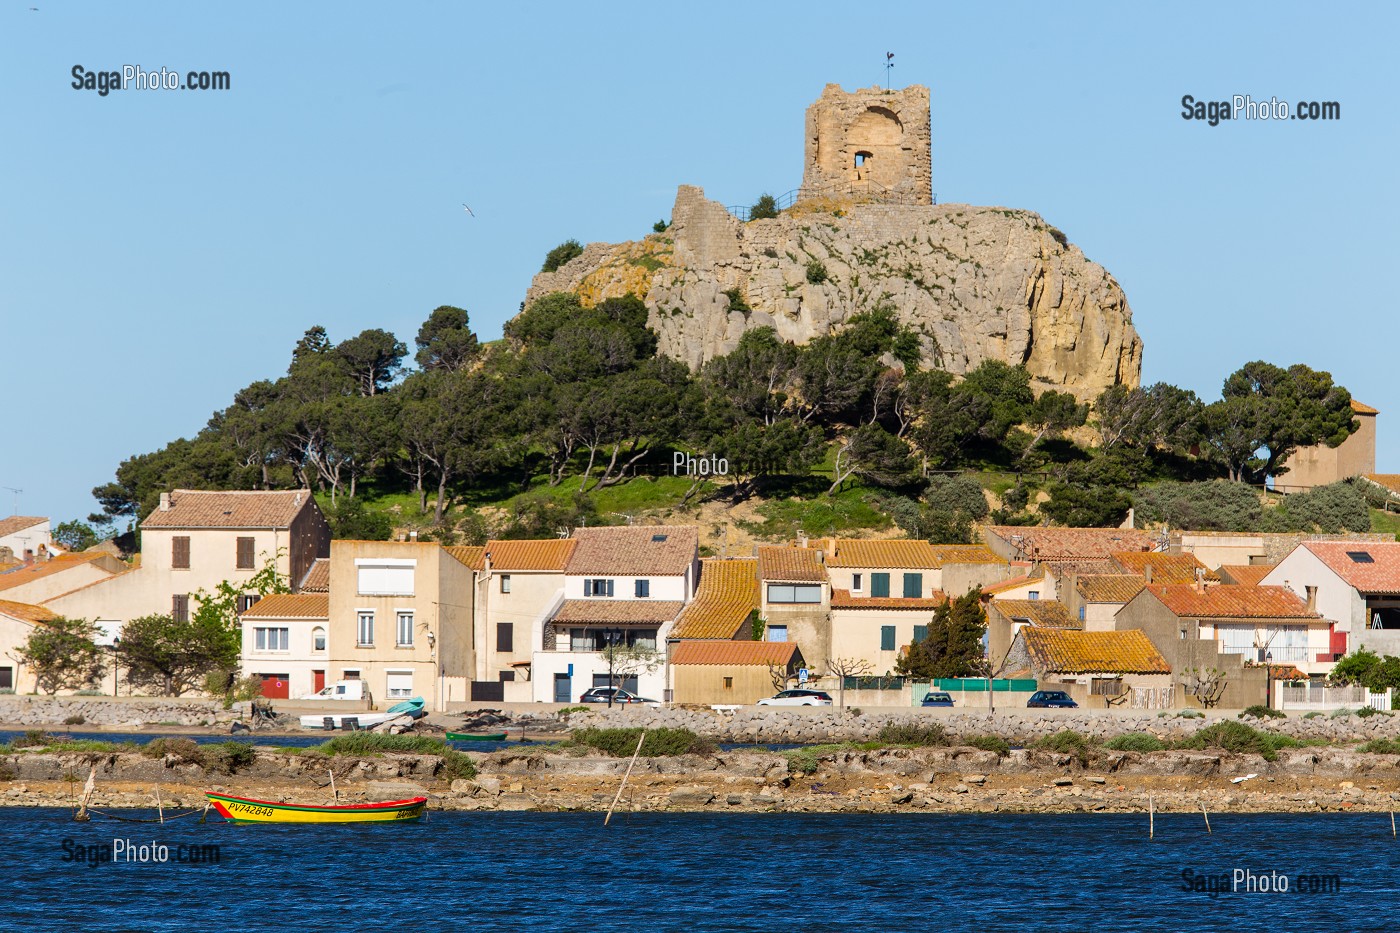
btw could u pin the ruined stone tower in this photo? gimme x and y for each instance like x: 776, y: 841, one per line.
x: 869, y: 143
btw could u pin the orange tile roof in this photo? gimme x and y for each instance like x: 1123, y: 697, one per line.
x: 1036, y: 611
x: 539, y: 554
x: 1387, y: 481
x: 727, y: 595
x: 1035, y: 576
x: 25, y: 574
x: 964, y: 554
x: 1361, y: 408
x: 1377, y: 572
x: 1060, y: 651
x: 17, y: 523
x: 26, y: 612
x: 1244, y: 574
x: 633, y: 550
x: 290, y: 606
x: 842, y: 599
x: 1229, y: 601
x: 472, y: 556
x: 896, y: 553
x: 1109, y: 587
x: 734, y: 652
x: 616, y: 611
x: 791, y: 564
x: 318, y: 578
x: 1166, y: 568
x: 1071, y: 544
x: 195, y: 508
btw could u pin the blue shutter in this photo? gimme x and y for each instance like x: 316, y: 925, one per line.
x: 920, y: 633
x: 610, y: 589
x: 879, y: 584
x: 913, y: 585
x: 887, y: 638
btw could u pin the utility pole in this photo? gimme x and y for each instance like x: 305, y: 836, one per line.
x: 16, y: 500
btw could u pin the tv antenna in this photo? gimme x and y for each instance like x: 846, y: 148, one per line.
x: 889, y: 63
x: 16, y: 492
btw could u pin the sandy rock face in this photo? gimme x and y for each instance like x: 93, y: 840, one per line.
x: 976, y: 283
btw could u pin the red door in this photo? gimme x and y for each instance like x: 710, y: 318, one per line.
x: 318, y: 681
x: 276, y: 686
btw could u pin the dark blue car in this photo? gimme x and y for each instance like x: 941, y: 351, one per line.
x: 937, y: 698
x: 1051, y: 699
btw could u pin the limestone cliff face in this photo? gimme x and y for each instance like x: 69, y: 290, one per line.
x: 976, y: 283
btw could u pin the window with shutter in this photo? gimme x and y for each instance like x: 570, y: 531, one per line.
x: 180, y: 552
x: 505, y: 637
x: 920, y: 633
x: 642, y: 589
x: 244, y: 557
x: 879, y: 584
x: 180, y: 606
x: 887, y: 638
x: 913, y: 585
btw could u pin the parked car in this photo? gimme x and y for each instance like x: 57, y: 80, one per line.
x: 798, y: 698
x: 601, y: 694
x: 938, y: 698
x: 1051, y: 699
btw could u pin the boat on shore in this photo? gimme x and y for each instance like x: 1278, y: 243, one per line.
x: 334, y: 721
x: 249, y: 810
x: 476, y: 736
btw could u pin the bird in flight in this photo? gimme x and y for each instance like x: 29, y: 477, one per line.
x: 468, y: 210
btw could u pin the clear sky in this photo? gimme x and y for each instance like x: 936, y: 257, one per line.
x: 160, y: 250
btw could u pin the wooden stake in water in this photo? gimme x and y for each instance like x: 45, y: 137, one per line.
x: 641, y: 738
x: 335, y: 794
x: 1392, y: 824
x: 160, y: 807
x: 1207, y: 816
x: 1151, y: 821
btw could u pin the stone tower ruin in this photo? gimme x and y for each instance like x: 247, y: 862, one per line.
x: 870, y: 143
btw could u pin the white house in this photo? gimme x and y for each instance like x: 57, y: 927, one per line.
x: 285, y: 643
x: 1355, y: 585
x: 20, y: 534
x: 622, y: 586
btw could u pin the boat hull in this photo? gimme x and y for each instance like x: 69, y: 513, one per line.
x: 476, y: 737
x: 248, y: 810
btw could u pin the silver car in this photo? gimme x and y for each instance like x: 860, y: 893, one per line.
x: 798, y: 698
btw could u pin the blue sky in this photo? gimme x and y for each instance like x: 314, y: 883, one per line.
x: 160, y: 250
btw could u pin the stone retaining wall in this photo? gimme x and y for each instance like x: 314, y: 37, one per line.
x: 110, y: 711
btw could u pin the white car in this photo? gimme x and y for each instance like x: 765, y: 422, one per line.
x: 798, y: 698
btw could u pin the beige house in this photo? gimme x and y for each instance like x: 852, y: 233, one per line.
x: 195, y: 540
x: 719, y: 672
x: 1320, y: 465
x: 1007, y: 617
x: 795, y: 598
x: 286, y: 643
x: 17, y: 622
x: 1354, y: 585
x: 1097, y: 668
x: 400, y: 618
x: 1095, y: 598
x: 40, y: 581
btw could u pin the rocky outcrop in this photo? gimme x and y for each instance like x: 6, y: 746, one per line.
x: 976, y: 283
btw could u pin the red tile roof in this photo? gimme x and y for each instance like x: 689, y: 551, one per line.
x: 1375, y: 568
x: 1060, y: 651
x: 1046, y: 612
x: 734, y: 652
x: 1244, y: 574
x: 25, y: 574
x: 1068, y: 544
x: 17, y: 523
x: 1109, y: 587
x: 1166, y: 568
x: 548, y: 554
x: 895, y: 553
x: 26, y: 612
x: 634, y: 550
x: 791, y: 564
x: 473, y: 556
x: 727, y: 595
x: 964, y: 554
x: 1361, y: 408
x: 1228, y: 601
x: 194, y: 508
x: 842, y: 599
x: 290, y: 606
x: 318, y: 577
x: 1035, y: 576
x: 616, y: 611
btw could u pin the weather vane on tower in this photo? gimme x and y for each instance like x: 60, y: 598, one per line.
x: 889, y: 63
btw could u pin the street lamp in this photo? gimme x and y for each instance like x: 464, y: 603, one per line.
x: 116, y: 664
x: 1269, y: 679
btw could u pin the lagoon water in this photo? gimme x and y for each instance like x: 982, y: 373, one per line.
x: 698, y: 872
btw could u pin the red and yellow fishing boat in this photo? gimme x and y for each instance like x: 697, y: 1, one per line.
x: 248, y: 810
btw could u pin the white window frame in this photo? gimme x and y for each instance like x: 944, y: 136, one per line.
x: 505, y: 583
x: 361, y: 615
x: 265, y: 638
x: 318, y: 631
x: 400, y: 693
x: 857, y: 579
x: 390, y: 580
x: 399, y: 616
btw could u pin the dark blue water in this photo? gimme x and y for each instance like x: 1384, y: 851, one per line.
x: 696, y: 872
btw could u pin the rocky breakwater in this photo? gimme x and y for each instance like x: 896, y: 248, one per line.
x: 129, y: 712
x: 975, y: 283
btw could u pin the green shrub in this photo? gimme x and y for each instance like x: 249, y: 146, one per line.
x: 660, y: 226
x: 1366, y: 712
x: 1381, y: 747
x: 1342, y: 713
x: 1238, y: 738
x: 988, y: 743
x: 561, y: 254
x: 570, y: 710
x: 1065, y: 742
x: 76, y: 719
x: 1313, y: 715
x: 32, y: 738
x: 1260, y: 711
x: 457, y: 765
x: 1191, y: 714
x: 736, y: 300
x: 182, y: 749
x: 1135, y: 742
x: 816, y: 272
x: 227, y: 757
x: 802, y: 760
x: 622, y: 743
x: 765, y: 208
x: 377, y: 743
x: 912, y: 733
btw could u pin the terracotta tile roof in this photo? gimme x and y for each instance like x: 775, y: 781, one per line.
x: 290, y: 606
x: 473, y: 556
x: 543, y: 554
x: 1390, y: 482
x: 727, y: 594
x: 964, y: 554
x: 1058, y: 651
x: 1108, y: 587
x: 897, y: 553
x: 318, y: 577
x: 194, y: 508
x: 25, y: 574
x: 25, y: 612
x: 1035, y: 576
x: 1046, y: 612
x: 1166, y: 568
x: 1368, y: 567
x: 616, y: 612
x: 1227, y: 601
x: 842, y: 599
x: 17, y: 523
x: 1070, y: 544
x: 791, y: 564
x: 1244, y: 574
x: 634, y: 550
x: 734, y: 652
x: 1361, y: 408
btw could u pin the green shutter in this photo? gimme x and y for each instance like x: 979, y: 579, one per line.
x: 887, y: 638
x: 913, y: 585
x: 920, y: 633
x: 879, y: 584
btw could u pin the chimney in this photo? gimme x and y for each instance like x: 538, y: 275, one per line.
x: 28, y: 556
x: 831, y: 546
x: 296, y: 502
x: 43, y: 554
x: 1312, y: 598
x: 165, y: 502
x: 413, y: 535
x: 801, y: 538
x: 1147, y: 574
x: 486, y: 563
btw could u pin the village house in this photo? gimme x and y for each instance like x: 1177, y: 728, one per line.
x: 795, y: 598
x: 1244, y: 574
x: 1028, y: 583
x: 726, y: 672
x: 1216, y: 548
x: 1121, y: 668
x: 56, y: 579
x: 1006, y: 618
x: 883, y: 595
x: 1355, y: 585
x: 1095, y: 598
x: 623, y: 587
x: 22, y: 535
x: 17, y: 622
x: 1065, y: 551
x: 286, y: 643
x: 1320, y: 464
